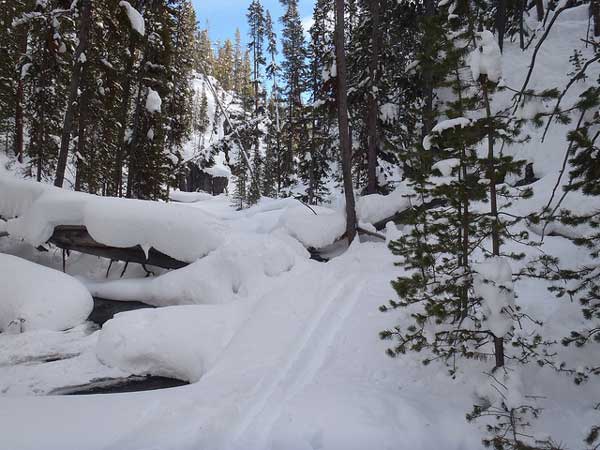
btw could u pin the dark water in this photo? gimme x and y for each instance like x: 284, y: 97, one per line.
x: 120, y: 385
x: 104, y: 309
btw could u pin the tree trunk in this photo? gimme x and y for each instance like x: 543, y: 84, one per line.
x: 342, y: 104
x: 375, y: 7
x: 491, y: 174
x: 539, y: 7
x: 19, y: 98
x: 501, y: 22
x: 595, y: 13
x: 428, y: 83
x: 84, y: 32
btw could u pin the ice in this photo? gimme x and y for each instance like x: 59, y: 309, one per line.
x: 33, y: 297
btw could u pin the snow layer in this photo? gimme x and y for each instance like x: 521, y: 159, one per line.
x: 493, y: 283
x: 135, y: 18
x: 180, y: 342
x: 314, y: 230
x: 240, y: 268
x: 487, y: 58
x: 153, y: 101
x: 33, y: 297
x: 183, y: 233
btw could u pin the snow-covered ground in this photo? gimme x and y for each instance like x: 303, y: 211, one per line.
x: 281, y: 351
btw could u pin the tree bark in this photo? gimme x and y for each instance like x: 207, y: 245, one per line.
x: 375, y: 7
x: 501, y: 22
x: 342, y: 104
x: 595, y: 13
x: 84, y: 33
x: 539, y: 7
x: 19, y: 98
x: 428, y: 82
x: 491, y: 174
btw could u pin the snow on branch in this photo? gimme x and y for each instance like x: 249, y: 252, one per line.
x: 135, y: 18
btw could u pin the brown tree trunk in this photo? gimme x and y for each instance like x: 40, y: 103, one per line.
x: 491, y: 174
x: 84, y: 33
x: 501, y: 22
x: 539, y: 7
x: 428, y: 83
x: 342, y: 105
x: 19, y: 98
x: 375, y: 7
x: 595, y: 13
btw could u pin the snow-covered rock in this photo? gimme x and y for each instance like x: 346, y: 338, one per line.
x: 313, y: 230
x: 34, y: 297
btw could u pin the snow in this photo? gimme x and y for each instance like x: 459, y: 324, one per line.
x: 314, y: 230
x: 287, y: 354
x: 444, y: 125
x: 135, y: 18
x: 153, y: 101
x: 182, y: 233
x: 236, y: 270
x: 180, y: 342
x: 487, y: 58
x: 376, y: 207
x: 188, y: 197
x: 493, y: 283
x: 34, y: 297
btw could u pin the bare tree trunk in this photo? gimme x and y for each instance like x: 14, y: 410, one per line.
x: 521, y: 26
x: 501, y: 22
x: 375, y: 7
x: 428, y: 83
x: 84, y: 33
x: 539, y: 7
x: 20, y: 97
x: 595, y: 13
x: 491, y: 174
x: 342, y: 105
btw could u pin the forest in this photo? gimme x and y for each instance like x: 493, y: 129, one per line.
x: 375, y: 227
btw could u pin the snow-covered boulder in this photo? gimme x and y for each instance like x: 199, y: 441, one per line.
x: 313, y: 230
x: 34, y: 297
x: 179, y: 342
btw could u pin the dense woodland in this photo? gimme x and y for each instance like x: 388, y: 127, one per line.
x: 377, y: 93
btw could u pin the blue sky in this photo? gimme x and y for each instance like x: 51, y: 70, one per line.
x: 224, y: 16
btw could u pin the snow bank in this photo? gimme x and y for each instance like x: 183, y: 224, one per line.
x: 493, y: 283
x: 240, y: 268
x: 180, y: 342
x: 135, y: 18
x: 314, y: 230
x: 34, y: 297
x: 188, y: 197
x: 376, y: 207
x: 182, y: 233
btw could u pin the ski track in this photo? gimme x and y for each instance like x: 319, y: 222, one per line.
x: 301, y: 368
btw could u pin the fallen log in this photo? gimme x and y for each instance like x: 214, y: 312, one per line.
x: 77, y: 238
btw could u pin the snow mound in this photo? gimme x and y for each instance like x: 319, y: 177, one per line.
x: 376, y: 207
x: 241, y: 268
x: 188, y: 197
x: 182, y: 233
x: 34, y: 297
x: 313, y: 230
x: 179, y: 342
x: 135, y: 18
